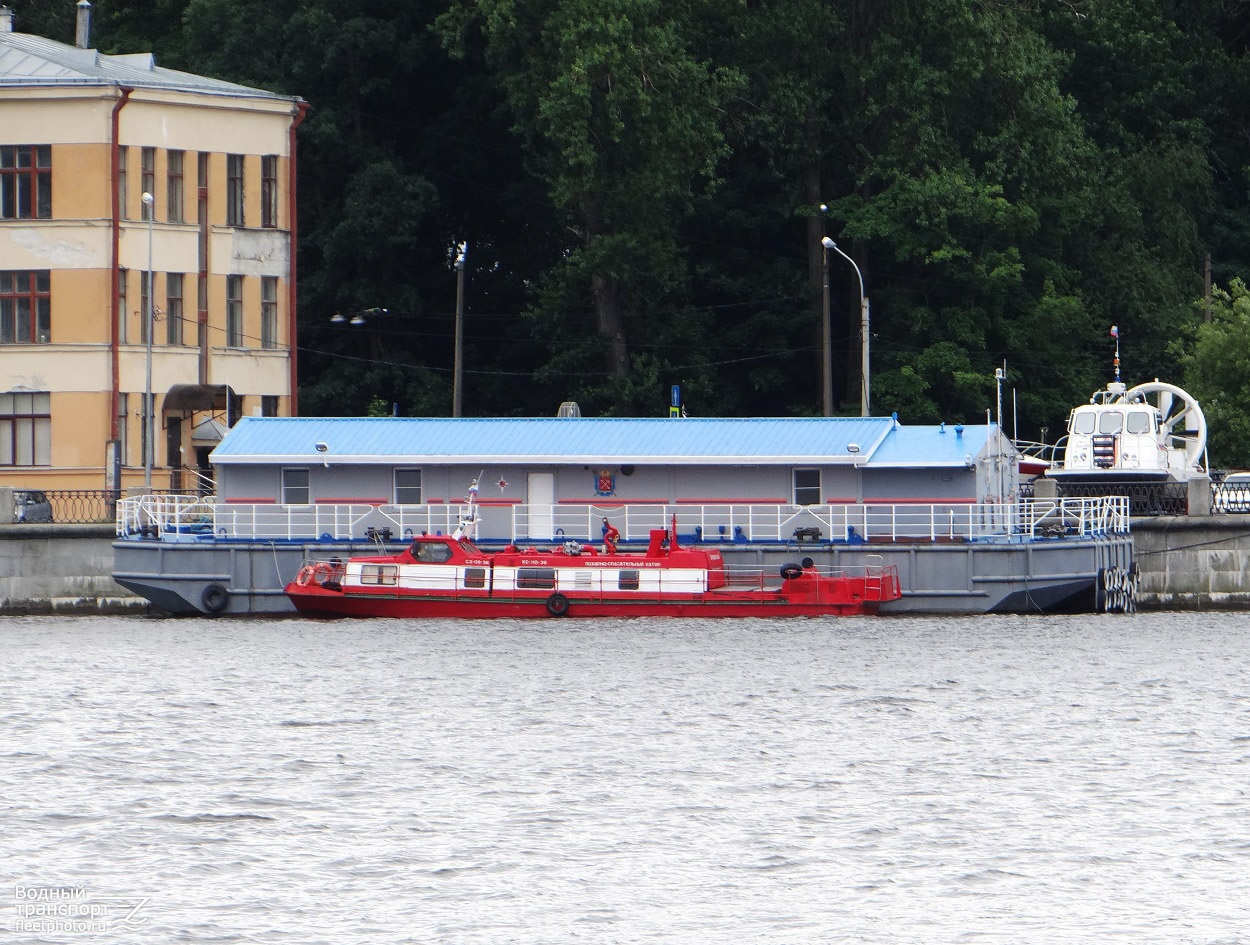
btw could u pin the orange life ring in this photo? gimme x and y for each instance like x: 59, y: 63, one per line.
x: 305, y: 575
x: 321, y: 572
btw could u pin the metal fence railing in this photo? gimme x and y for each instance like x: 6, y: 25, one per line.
x: 190, y: 518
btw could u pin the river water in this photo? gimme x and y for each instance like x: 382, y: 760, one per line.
x: 855, y: 780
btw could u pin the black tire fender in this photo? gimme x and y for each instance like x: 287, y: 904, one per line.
x: 557, y: 605
x: 790, y: 570
x: 215, y: 598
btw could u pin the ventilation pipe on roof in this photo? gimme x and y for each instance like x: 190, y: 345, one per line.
x: 6, y: 20
x: 82, y: 37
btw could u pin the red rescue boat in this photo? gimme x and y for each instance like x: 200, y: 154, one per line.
x: 448, y: 576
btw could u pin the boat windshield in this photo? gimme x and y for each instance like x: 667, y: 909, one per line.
x: 1083, y: 421
x: 1140, y: 421
x: 1111, y: 422
x: 431, y: 552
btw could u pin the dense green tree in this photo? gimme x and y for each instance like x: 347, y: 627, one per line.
x: 619, y: 116
x: 1217, y: 373
x: 638, y: 184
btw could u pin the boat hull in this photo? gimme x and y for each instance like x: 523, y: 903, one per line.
x: 316, y: 601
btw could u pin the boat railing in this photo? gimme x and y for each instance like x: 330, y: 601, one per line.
x: 188, y: 518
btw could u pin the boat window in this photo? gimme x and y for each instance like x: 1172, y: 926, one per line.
x: 474, y: 577
x: 1139, y: 421
x: 432, y: 552
x: 407, y: 487
x: 379, y: 574
x: 628, y: 580
x: 1083, y: 422
x: 1111, y: 422
x: 541, y: 578
x: 295, y: 488
x: 807, y: 487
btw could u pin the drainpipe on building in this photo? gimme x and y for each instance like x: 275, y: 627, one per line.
x: 114, y: 340
x: 301, y: 109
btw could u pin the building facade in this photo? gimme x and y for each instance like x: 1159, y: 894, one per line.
x: 147, y: 225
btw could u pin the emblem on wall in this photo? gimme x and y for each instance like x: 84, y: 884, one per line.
x: 605, y: 482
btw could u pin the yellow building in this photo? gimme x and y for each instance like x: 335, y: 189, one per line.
x: 84, y: 138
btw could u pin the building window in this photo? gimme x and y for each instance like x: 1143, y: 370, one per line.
x: 25, y: 181
x: 174, y: 189
x: 295, y: 489
x: 234, y: 311
x: 173, y: 308
x: 123, y: 153
x: 407, y: 487
x: 807, y: 487
x: 234, y: 190
x: 123, y: 310
x: 25, y: 307
x: 25, y: 429
x: 269, y: 311
x: 268, y: 405
x: 147, y: 175
x: 269, y: 190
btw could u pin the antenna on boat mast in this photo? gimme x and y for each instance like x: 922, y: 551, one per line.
x: 1115, y: 333
x: 468, y: 513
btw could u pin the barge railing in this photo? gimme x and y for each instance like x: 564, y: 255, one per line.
x: 191, y: 518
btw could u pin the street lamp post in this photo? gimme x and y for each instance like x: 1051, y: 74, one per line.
x: 826, y: 343
x: 457, y: 365
x: 865, y: 386
x: 148, y: 411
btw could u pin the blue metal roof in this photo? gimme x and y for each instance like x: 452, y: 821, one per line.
x: 941, y: 445
x: 539, y: 440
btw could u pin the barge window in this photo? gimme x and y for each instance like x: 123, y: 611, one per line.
x: 1083, y: 422
x: 428, y: 553
x: 295, y: 488
x: 407, y: 487
x: 807, y: 487
x: 536, y: 578
x: 474, y: 577
x: 628, y: 580
x: 379, y: 574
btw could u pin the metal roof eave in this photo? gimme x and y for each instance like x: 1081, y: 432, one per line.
x: 598, y: 459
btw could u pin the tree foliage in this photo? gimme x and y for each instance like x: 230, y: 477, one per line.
x: 639, y: 185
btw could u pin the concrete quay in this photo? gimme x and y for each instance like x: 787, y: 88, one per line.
x: 1184, y: 563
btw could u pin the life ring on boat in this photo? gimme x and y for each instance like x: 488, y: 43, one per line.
x: 215, y: 598
x: 305, y: 576
x: 557, y: 605
x: 790, y: 570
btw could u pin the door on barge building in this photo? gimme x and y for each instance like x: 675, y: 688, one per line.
x: 541, y: 494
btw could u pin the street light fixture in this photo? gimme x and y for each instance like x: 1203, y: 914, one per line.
x: 865, y: 388
x: 148, y: 411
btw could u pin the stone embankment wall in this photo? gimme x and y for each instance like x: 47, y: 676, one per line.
x: 1185, y: 563
x: 61, y: 569
x: 1189, y: 563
